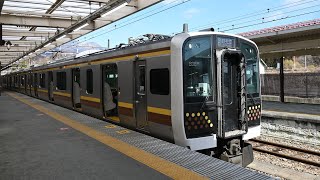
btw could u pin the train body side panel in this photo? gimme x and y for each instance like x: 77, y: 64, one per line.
x: 29, y: 85
x: 125, y: 102
x: 91, y: 102
x: 62, y: 97
x: 158, y: 98
x: 43, y: 90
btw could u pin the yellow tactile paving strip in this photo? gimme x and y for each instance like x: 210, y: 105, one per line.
x: 163, y: 166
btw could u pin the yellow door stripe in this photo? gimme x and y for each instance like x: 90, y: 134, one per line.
x: 92, y: 99
x: 124, y: 58
x: 46, y: 70
x: 42, y: 90
x: 159, y: 111
x: 125, y: 105
x: 163, y: 166
x: 62, y: 94
x: 114, y: 118
x: 158, y: 53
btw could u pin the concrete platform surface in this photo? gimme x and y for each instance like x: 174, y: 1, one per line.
x: 284, y: 173
x: 40, y: 140
x: 35, y: 146
x: 312, y: 109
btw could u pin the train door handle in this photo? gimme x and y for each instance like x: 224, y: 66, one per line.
x: 137, y: 102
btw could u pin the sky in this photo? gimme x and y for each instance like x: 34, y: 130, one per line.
x: 233, y: 16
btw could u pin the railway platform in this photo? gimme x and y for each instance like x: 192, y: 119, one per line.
x: 40, y: 140
x: 292, y: 111
x: 298, y: 122
x: 302, y: 109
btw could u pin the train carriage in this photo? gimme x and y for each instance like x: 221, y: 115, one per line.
x: 200, y: 90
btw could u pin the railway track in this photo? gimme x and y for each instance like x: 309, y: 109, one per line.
x: 281, y: 147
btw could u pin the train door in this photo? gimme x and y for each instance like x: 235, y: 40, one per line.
x: 18, y: 82
x: 25, y: 83
x: 110, y: 91
x: 30, y: 77
x: 10, y: 82
x: 141, y: 95
x: 233, y: 93
x: 50, y: 85
x: 35, y: 84
x: 76, y: 88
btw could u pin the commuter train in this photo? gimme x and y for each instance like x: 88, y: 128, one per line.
x: 200, y: 90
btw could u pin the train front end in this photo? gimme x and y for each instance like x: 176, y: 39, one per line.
x: 215, y: 99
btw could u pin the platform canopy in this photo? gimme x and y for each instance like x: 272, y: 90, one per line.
x: 297, y: 39
x: 29, y: 27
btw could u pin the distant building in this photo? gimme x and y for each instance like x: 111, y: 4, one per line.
x: 262, y: 67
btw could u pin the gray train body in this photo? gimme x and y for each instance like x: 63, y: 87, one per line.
x: 198, y: 90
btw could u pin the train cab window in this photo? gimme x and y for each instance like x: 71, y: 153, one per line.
x: 252, y: 69
x: 43, y: 80
x: 89, y: 81
x: 61, y: 80
x: 159, y: 81
x: 198, y: 70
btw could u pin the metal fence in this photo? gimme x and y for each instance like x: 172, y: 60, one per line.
x: 305, y: 85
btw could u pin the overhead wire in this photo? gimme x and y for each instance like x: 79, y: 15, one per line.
x: 246, y: 16
x: 278, y: 19
x: 254, y: 14
x: 268, y: 17
x: 148, y: 12
x: 137, y: 20
x: 166, y: 4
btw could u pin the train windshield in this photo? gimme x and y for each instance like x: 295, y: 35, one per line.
x: 252, y: 69
x: 197, y: 64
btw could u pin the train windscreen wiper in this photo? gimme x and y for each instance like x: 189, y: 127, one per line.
x: 251, y: 97
x: 207, y: 105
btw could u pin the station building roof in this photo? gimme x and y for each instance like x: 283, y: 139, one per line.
x: 295, y: 39
x: 30, y: 27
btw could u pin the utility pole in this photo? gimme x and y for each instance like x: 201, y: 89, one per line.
x: 305, y: 62
x: 281, y: 80
x: 0, y: 79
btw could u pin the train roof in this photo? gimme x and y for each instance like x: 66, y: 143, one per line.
x: 163, y: 43
x: 109, y: 53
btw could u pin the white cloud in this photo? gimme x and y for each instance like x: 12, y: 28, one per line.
x: 191, y: 12
x: 169, y: 1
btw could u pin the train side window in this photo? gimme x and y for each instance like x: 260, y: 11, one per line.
x: 159, y: 81
x: 42, y: 80
x: 89, y: 81
x: 61, y: 80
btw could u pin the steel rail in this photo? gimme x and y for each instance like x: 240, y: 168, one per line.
x: 287, y: 147
x: 306, y: 161
x: 288, y: 157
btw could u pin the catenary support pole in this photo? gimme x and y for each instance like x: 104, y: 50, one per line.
x: 0, y: 79
x: 281, y: 80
